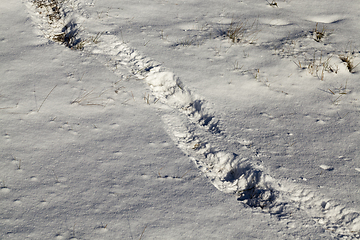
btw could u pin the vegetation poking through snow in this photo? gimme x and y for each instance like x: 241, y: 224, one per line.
x: 319, y: 34
x: 55, y: 14
x: 52, y: 9
x: 348, y: 59
x: 68, y: 36
x: 239, y: 31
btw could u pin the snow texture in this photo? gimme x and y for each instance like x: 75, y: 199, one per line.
x: 265, y: 105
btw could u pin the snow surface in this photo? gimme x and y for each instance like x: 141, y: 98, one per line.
x: 153, y: 124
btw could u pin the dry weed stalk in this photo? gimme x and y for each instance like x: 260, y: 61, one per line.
x: 46, y: 97
x: 318, y: 67
x: 96, y: 38
x: 348, y: 60
x: 238, y: 32
x: 51, y: 7
x: 90, y: 98
x: 318, y: 35
x: 54, y: 12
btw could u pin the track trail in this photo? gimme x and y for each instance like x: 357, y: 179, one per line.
x: 198, y: 131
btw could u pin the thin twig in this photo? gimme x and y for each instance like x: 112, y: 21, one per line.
x: 185, y: 173
x: 143, y: 232
x: 46, y: 97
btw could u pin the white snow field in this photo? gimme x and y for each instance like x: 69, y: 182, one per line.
x: 161, y: 119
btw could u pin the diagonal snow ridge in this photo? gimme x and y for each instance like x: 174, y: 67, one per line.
x: 199, y: 134
x: 165, y: 85
x: 227, y: 171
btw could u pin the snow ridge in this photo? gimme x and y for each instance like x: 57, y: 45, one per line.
x: 197, y: 131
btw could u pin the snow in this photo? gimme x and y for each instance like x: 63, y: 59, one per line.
x: 149, y: 122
